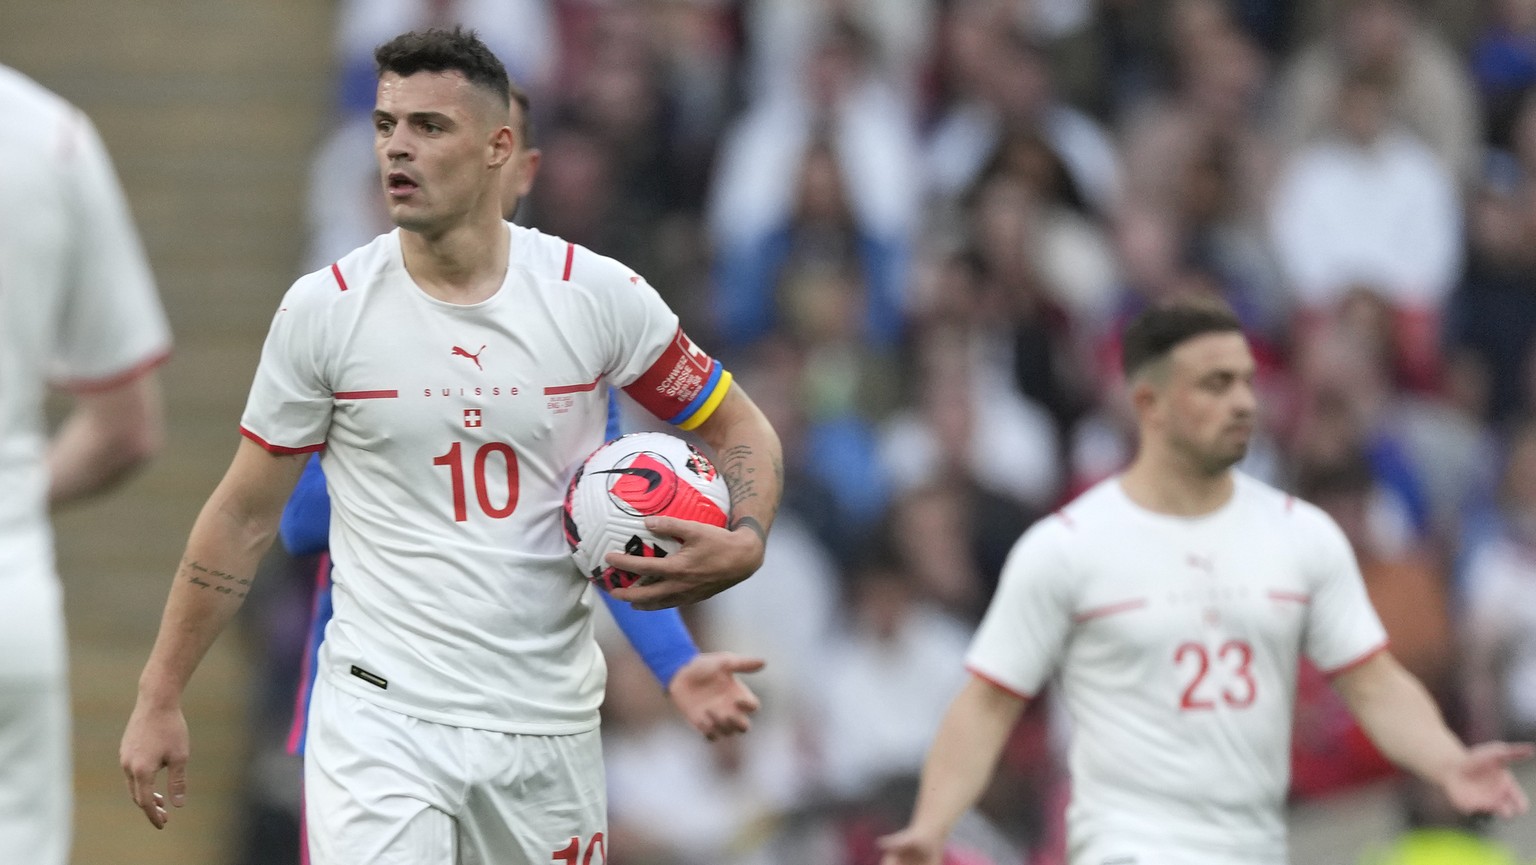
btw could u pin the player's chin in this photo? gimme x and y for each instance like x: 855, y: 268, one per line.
x: 410, y: 217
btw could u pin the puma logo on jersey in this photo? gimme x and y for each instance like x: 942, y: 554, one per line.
x: 463, y: 352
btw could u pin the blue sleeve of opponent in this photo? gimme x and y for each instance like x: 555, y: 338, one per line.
x: 306, y: 523
x: 659, y: 636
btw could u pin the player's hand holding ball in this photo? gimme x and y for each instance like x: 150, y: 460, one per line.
x: 647, y: 507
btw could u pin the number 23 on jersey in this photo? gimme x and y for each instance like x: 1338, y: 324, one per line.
x: 1222, y: 674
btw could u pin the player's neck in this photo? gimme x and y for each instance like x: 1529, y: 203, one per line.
x: 1162, y: 486
x: 465, y: 264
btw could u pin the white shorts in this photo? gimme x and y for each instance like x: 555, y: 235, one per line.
x: 36, y: 793
x: 382, y: 788
x: 1123, y: 851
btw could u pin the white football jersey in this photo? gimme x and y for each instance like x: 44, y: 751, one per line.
x: 1176, y: 642
x: 78, y: 310
x: 449, y: 434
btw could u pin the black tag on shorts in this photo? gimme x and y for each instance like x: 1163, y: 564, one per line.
x: 377, y: 681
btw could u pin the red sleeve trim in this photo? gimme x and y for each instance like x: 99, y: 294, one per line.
x: 1015, y: 692
x: 573, y: 388
x: 366, y: 394
x: 1371, y: 653
x: 1109, y: 610
x: 570, y: 258
x: 116, y: 380
x: 280, y: 450
x: 336, y: 272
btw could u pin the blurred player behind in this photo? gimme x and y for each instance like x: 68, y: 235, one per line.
x: 1173, y: 602
x: 78, y: 309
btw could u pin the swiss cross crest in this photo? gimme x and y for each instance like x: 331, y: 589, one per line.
x: 471, y: 418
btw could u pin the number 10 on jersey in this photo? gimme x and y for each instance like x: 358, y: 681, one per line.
x: 454, y: 461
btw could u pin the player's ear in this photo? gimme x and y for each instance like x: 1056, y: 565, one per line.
x: 1143, y: 391
x: 502, y: 146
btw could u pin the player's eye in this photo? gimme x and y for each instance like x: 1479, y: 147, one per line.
x: 384, y: 127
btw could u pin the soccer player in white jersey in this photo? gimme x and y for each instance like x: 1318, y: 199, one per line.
x: 1172, y: 604
x: 78, y: 309
x: 452, y: 394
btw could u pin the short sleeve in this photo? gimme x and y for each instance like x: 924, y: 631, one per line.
x: 1025, y: 629
x: 113, y: 325
x: 289, y: 407
x: 1342, y: 626
x: 653, y: 360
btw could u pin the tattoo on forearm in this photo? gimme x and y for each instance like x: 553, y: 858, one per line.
x: 735, y: 468
x: 739, y: 475
x: 222, y: 582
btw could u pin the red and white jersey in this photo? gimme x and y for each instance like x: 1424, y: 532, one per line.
x: 1176, y: 643
x: 78, y: 309
x: 449, y: 434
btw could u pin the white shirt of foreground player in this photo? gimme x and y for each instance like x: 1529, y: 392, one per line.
x: 1176, y: 642
x: 78, y: 310
x: 449, y: 433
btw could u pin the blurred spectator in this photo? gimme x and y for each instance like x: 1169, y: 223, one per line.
x: 1029, y: 224
x: 1346, y: 404
x: 895, y: 649
x: 953, y: 536
x: 969, y: 425
x: 1500, y: 605
x: 1504, y: 64
x: 841, y: 94
x: 1491, y: 319
x: 784, y: 35
x: 675, y: 798
x: 1370, y: 208
x: 520, y: 32
x: 1199, y: 157
x: 1001, y: 85
x: 822, y: 232
x: 1427, y: 86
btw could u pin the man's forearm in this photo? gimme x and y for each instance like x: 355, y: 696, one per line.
x: 1401, y: 718
x: 103, y: 440
x: 210, y: 584
x: 964, y: 755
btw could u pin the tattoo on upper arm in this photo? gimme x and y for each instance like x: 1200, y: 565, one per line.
x: 222, y: 582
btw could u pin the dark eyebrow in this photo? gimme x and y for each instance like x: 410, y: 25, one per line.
x: 437, y: 117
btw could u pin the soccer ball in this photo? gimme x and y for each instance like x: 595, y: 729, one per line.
x: 623, y: 482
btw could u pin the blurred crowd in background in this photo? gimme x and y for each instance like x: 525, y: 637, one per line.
x: 912, y: 228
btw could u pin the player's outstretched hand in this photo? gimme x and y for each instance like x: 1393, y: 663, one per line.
x: 156, y: 739
x: 710, y: 696
x: 710, y: 560
x: 1482, y: 783
x: 911, y: 847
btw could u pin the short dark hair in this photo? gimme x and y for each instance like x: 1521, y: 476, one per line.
x: 456, y: 50
x: 1159, y: 330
